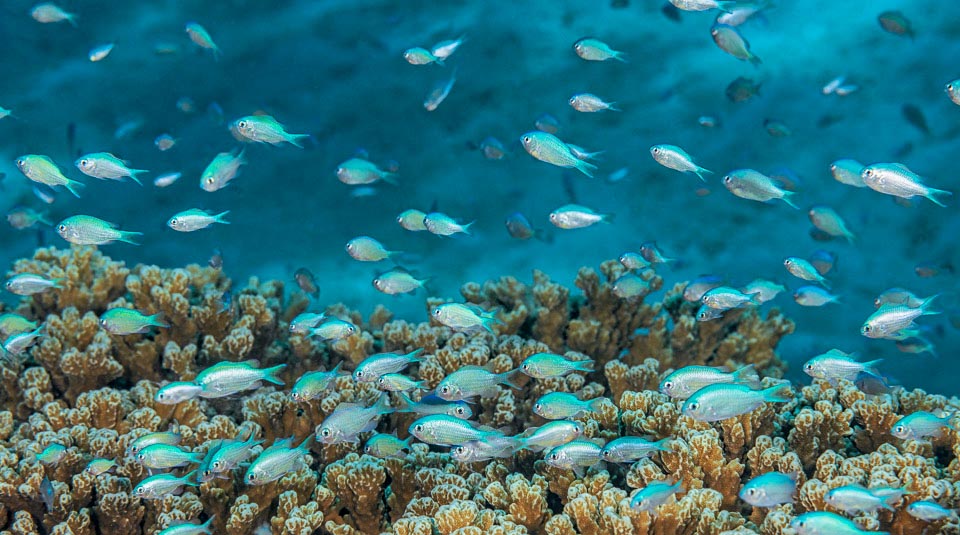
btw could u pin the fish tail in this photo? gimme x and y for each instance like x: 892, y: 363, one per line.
x: 754, y: 60
x: 72, y: 186
x: 294, y: 139
x: 584, y: 365
x: 135, y: 172
x: 586, y: 168
x: 206, y: 526
x: 607, y: 218
x: 58, y: 283
x: 336, y: 369
x: 621, y: 57
x: 128, y: 236
x: 663, y: 444
x: 389, y: 178
x: 383, y: 405
x: 510, y: 379
x: 935, y: 195
x: 787, y: 199
x: 304, y: 446
x: 156, y: 321
x: 406, y: 404
x: 747, y: 376
x: 822, y: 280
x: 270, y: 374
x: 925, y: 306
x: 727, y: 6
x: 71, y: 18
x: 186, y: 479
x: 700, y: 171
x: 219, y: 217
x: 871, y: 367
x: 43, y: 219
x: 778, y: 393
x: 466, y: 228
x: 595, y: 404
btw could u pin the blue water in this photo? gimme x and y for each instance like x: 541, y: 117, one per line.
x: 335, y: 69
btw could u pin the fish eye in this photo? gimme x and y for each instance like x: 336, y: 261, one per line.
x: 160, y: 395
x: 140, y: 456
x: 693, y: 406
x: 325, y: 432
x: 174, y: 222
x: 216, y: 465
x: 445, y: 389
x: 103, y: 322
x: 418, y: 428
x: 209, y: 180
x: 241, y: 124
x: 866, y: 328
x: 436, y: 311
x: 460, y: 411
x: 787, y: 262
x: 84, y: 162
x: 554, y: 456
x: 367, y: 449
x: 898, y: 429
x: 606, y: 454
x: 139, y: 491
x: 538, y: 407
x: 727, y: 179
x: 527, y: 139
x: 62, y: 228
x: 573, y: 100
x: 358, y: 373
x: 751, y: 492
x: 808, y: 366
x: 868, y: 172
x: 667, y: 385
x: 656, y: 150
x: 21, y: 162
x: 526, y: 367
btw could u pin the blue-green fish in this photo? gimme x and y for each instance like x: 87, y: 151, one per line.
x: 41, y: 169
x: 412, y: 220
x: 433, y: 404
x: 48, y: 12
x: 721, y: 401
x: 397, y: 281
x: 725, y: 297
x: 421, y: 56
x: 23, y: 217
x: 695, y: 289
x: 550, y: 149
x: 590, y: 103
x: 313, y: 385
x: 633, y: 261
x: 756, y: 186
x: 123, y: 321
x: 630, y: 449
x: 704, y: 5
x: 898, y: 296
x: 856, y: 499
x: 334, y: 329
x: 574, y: 455
x: 897, y: 180
x: 378, y: 364
x: 465, y: 317
x: 89, y: 230
x: 444, y: 49
x: 814, y: 296
x: 628, y: 286
x: 201, y: 37
x: 349, y: 420
x: 306, y: 322
x: 225, y: 456
x: 930, y: 511
x: 397, y: 382
x: 574, y: 216
x: 592, y: 49
x: 445, y: 430
x: 52, y: 454
x: 546, y: 365
x: 922, y: 425
x: 224, y: 167
x: 829, y: 221
x: 705, y: 313
x: 367, y: 249
x: 11, y: 324
x: 265, y: 129
x: 277, y: 461
x: 190, y: 529
x: 823, y: 523
x: 847, y: 171
x: 953, y: 91
x: 385, y: 446
x: 673, y: 157
x: 491, y: 447
x: 444, y: 225
x: 165, y: 456
x: 550, y: 435
x: 770, y: 489
x: 655, y: 494
x: 31, y: 283
x: 560, y: 405
x: 160, y: 485
x: 106, y: 166
x: 228, y: 378
x: 471, y: 381
x: 99, y: 466
x: 356, y: 171
x: 196, y: 219
x: 890, y: 321
x: 177, y: 392
x: 682, y: 383
x: 729, y: 39
x: 160, y: 437
x: 835, y: 365
x: 803, y: 269
x: 18, y: 343
x: 764, y: 290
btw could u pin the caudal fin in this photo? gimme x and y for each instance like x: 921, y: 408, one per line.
x: 747, y: 376
x: 270, y: 374
x: 778, y: 393
x: 935, y: 195
x: 128, y: 236
x: 586, y: 168
x: 787, y: 199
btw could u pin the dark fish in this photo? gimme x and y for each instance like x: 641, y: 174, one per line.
x: 786, y: 178
x: 47, y: 493
x: 619, y: 4
x: 547, y: 123
x: 914, y: 116
x: 216, y: 259
x: 819, y: 235
x: 828, y: 120
x: 742, y: 89
x: 932, y: 268
x: 823, y: 260
x: 896, y: 23
x: 519, y: 227
x: 670, y: 11
x: 226, y: 301
x: 874, y: 385
x: 776, y: 128
x: 306, y: 282
x: 2, y: 185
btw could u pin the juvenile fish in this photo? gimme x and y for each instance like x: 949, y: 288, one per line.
x: 673, y: 157
x: 11, y: 324
x: 930, y: 511
x: 561, y: 405
x: 922, y: 425
x: 306, y: 322
x: 396, y: 382
x: 367, y: 249
x: 43, y: 170
x: 829, y: 221
x: 848, y: 172
x: 439, y: 93
x: 729, y: 40
x: 550, y: 435
x: 433, y: 404
x: 444, y: 225
x: 471, y: 381
x: 705, y: 313
x: 306, y: 281
x: 491, y: 447
x: 835, y: 365
x: 22, y: 218
x: 898, y: 180
x: 349, y: 420
x: 764, y: 289
x: 421, y: 56
x: 164, y: 142
x: 654, y: 495
x: 177, y: 392
x: 313, y: 385
x: 742, y: 89
x: 356, y: 171
x: 725, y: 297
x: 190, y: 529
x: 226, y: 456
x: 889, y: 320
x: 160, y: 437
x: 756, y: 186
x: 574, y: 455
x: 520, y: 228
x: 277, y: 461
x: 165, y: 456
x: 896, y: 23
x: 814, y: 296
x: 651, y: 253
x: 224, y: 167
x: 633, y: 261
x: 688, y: 380
x: 573, y: 216
x: 445, y: 430
x: 160, y: 485
x: 398, y: 281
x: 546, y: 365
x: 31, y: 283
x: 695, y: 289
x: 228, y: 378
x: 48, y: 12
x: 492, y: 148
x: 465, y: 317
x: 823, y: 261
x: 201, y: 37
x: 106, y: 166
x: 334, y: 329
x: 628, y: 286
x: 855, y: 499
x: 374, y: 366
x: 770, y: 489
x: 99, y: 466
x: 166, y: 179
x: 898, y: 296
x: 265, y: 129
x: 547, y: 123
x: 412, y: 220
x: 550, y: 149
x: 52, y: 454
x: 721, y: 401
x: 823, y: 523
x: 592, y: 49
x: 18, y: 343
x: 590, y: 103
x: 444, y: 49
x: 385, y: 446
x: 802, y: 269
x: 89, y: 230
x: 124, y: 321
x: 630, y: 449
x: 196, y: 219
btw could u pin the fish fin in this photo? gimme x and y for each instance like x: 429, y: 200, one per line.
x: 778, y: 393
x: 128, y: 236
x: 578, y: 470
x: 156, y: 321
x: 219, y: 217
x: 621, y: 57
x: 700, y: 171
x: 406, y: 404
x: 383, y: 405
x: 747, y: 376
x: 787, y: 199
x: 389, y: 178
x: 664, y: 444
x: 188, y: 476
x: 586, y: 168
x: 754, y: 60
x: 294, y: 139
x: 133, y: 175
x: 727, y: 6
x: 612, y: 106
x: 58, y: 283
x: 584, y: 365
x: 595, y: 404
x: 71, y: 186
x: 934, y: 195
x: 270, y: 374
x: 510, y: 378
x: 607, y: 218
x: 925, y: 306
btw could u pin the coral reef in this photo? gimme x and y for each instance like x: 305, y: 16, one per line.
x: 94, y: 393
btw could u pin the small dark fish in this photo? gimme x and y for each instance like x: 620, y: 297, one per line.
x: 2, y: 185
x: 619, y: 4
x: 216, y: 260
x: 823, y: 261
x: 547, y: 123
x: 896, y: 23
x: 742, y: 89
x: 306, y: 282
x: 785, y: 178
x: 932, y: 268
x: 226, y: 301
x: 776, y: 128
x: 828, y: 120
x: 520, y: 228
x: 671, y: 12
x: 819, y: 235
x: 47, y: 493
x: 874, y: 385
x: 914, y: 116
x: 216, y: 113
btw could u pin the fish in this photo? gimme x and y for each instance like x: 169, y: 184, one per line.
x: 11, y: 324
x: 652, y: 253
x: 491, y: 447
x: 446, y: 48
x: 166, y: 179
x: 776, y: 128
x: 421, y: 56
x: 835, y: 365
x: 52, y: 454
x: 446, y: 430
x: 224, y: 167
x: 159, y: 437
x: 201, y: 37
x: 367, y: 249
x: 725, y: 297
x: 334, y: 329
x: 574, y: 455
x: 756, y: 186
x: 770, y: 489
x: 688, y: 380
x: 633, y: 261
x: 592, y: 49
x: 673, y: 157
x: 397, y: 382
x: 922, y: 425
x: 710, y: 121
x: 433, y: 404
x: 739, y: 15
x: 915, y: 117
x: 546, y: 365
x: 177, y: 392
x: 216, y: 260
x: 549, y: 435
x: 313, y: 385
x: 48, y: 12
x: 829, y: 221
x: 124, y: 321
x: 953, y: 91
x: 227, y: 378
x: 47, y: 493
x: 814, y: 296
x: 43, y: 170
x: 277, y: 461
x: 574, y: 216
x: 849, y: 172
x: 465, y: 317
x: 705, y: 313
x: 549, y: 148
x: 630, y: 449
x: 100, y: 52
x: 932, y: 268
x: 16, y: 344
x: 721, y: 401
x: 764, y: 289
x: 561, y: 405
x: 89, y: 230
x: 896, y: 23
x: 196, y: 219
x: 412, y: 220
x: 107, y: 166
x: 398, y: 281
x: 655, y: 494
x: 916, y: 345
x: 520, y: 228
x: 371, y: 368
x: 190, y: 528
x: 349, y: 420
x: 492, y: 148
x: 31, y: 283
x: 628, y: 286
x: 547, y: 123
x: 99, y: 466
x: 694, y: 290
x: 306, y: 282
x: 930, y: 511
x: 165, y: 456
x: 160, y: 485
x: 729, y: 39
x: 802, y: 269
x: 590, y: 103
x: 823, y: 261
x: 898, y: 180
x: 384, y: 446
x: 742, y: 89
x: 855, y: 499
x: 704, y: 5
x: 164, y: 142
x: 265, y: 129
x: 356, y: 171
x: 225, y: 456
x: 468, y: 382
x: 890, y: 321
x: 305, y: 322
x: 439, y: 92
x: 187, y: 105
x: 898, y: 296
x: 21, y: 217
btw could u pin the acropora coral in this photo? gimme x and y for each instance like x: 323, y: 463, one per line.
x: 93, y: 393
